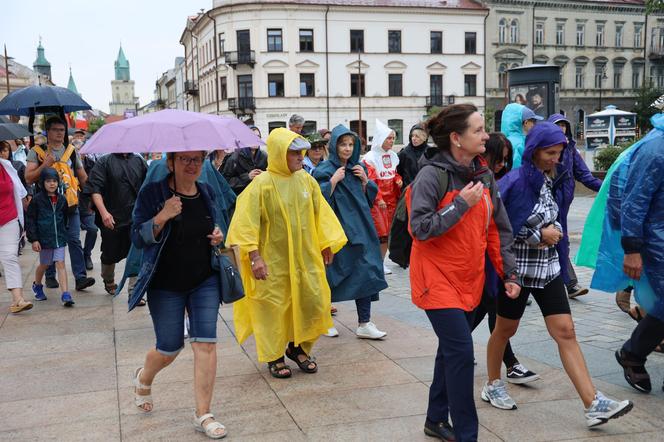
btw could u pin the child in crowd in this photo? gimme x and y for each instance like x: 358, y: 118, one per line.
x: 47, y: 231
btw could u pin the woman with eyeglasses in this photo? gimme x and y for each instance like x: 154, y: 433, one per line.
x: 316, y: 154
x: 175, y: 223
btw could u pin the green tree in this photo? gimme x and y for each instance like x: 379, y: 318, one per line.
x: 654, y: 6
x: 645, y: 98
x: 94, y: 125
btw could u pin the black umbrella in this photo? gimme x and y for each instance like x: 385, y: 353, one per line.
x: 12, y: 131
x: 41, y: 100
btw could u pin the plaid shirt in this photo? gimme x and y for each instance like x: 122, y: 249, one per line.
x: 538, y: 264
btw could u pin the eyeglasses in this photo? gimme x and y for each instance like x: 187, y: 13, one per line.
x: 317, y: 147
x: 196, y: 161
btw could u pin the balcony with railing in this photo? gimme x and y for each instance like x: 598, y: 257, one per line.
x: 439, y: 101
x: 236, y: 58
x: 242, y: 104
x: 191, y: 87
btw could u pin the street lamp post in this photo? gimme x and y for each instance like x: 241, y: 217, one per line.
x: 601, y: 80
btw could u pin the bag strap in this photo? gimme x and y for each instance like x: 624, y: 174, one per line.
x: 68, y: 152
x: 443, y: 180
x: 40, y: 152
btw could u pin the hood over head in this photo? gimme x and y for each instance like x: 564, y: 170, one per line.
x: 252, y: 127
x: 48, y: 173
x: 381, y: 132
x: 278, y: 144
x: 557, y: 118
x: 511, y: 122
x: 541, y: 136
x: 337, y: 133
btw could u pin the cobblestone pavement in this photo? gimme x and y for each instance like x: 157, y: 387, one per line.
x: 65, y: 374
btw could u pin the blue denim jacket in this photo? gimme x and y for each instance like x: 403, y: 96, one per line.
x: 150, y: 201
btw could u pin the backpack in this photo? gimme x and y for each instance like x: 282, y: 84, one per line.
x: 69, y: 186
x: 400, y: 242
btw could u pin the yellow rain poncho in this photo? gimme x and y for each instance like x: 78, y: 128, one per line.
x: 286, y: 218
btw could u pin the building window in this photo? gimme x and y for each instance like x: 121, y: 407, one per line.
x: 502, y: 30
x: 470, y: 85
x: 638, y: 29
x: 436, y: 90
x: 471, y: 42
x: 539, y: 33
x: 356, y: 40
x: 222, y: 44
x: 502, y: 76
x: 617, y: 76
x: 436, y: 42
x: 397, y: 127
x: 619, y: 35
x: 599, y: 75
x: 306, y: 40
x: 560, y: 34
x: 223, y: 88
x: 394, y: 41
x: 579, y: 77
x: 514, y: 31
x: 357, y: 85
x: 275, y: 85
x: 359, y: 128
x: 272, y: 125
x: 395, y: 85
x: 274, y: 40
x: 636, y: 76
x: 580, y: 34
x: 307, y: 83
x: 599, y: 36
x: 657, y: 76
x: 308, y: 128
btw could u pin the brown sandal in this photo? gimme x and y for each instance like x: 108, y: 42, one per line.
x: 623, y: 300
x: 636, y: 313
x: 635, y: 373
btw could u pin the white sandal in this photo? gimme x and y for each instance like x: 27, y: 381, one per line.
x: 210, y: 428
x: 140, y: 399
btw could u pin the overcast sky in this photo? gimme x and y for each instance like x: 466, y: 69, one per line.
x: 87, y: 34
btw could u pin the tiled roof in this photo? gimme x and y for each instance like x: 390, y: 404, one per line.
x: 456, y: 4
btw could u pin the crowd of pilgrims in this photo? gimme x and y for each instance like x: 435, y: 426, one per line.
x: 312, y: 216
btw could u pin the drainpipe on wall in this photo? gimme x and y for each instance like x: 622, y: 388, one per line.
x: 485, y: 46
x: 186, y: 75
x: 198, y: 73
x: 327, y: 72
x: 645, y: 53
x: 216, y: 57
x: 532, y: 38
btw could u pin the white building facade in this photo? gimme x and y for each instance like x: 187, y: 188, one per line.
x: 265, y: 60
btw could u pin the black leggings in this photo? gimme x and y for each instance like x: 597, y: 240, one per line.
x: 488, y: 307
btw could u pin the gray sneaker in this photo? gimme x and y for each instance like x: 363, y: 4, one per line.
x: 496, y: 394
x: 603, y: 408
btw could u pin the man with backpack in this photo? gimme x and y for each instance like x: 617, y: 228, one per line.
x: 72, y: 175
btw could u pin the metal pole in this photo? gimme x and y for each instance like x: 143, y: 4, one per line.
x: 359, y: 94
x: 7, y: 69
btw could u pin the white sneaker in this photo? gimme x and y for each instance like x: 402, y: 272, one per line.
x: 603, y: 408
x: 386, y: 270
x: 332, y: 332
x: 369, y: 330
x: 186, y: 327
x: 496, y: 394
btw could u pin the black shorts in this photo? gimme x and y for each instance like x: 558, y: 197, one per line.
x: 115, y: 244
x: 552, y: 300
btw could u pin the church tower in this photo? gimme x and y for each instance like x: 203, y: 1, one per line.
x: 41, y: 65
x: 71, y: 85
x: 122, y: 88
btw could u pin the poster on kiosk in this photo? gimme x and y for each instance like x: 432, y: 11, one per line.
x: 609, y: 127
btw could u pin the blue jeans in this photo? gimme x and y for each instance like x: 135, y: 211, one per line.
x: 167, y: 310
x: 75, y: 248
x: 451, y: 390
x: 91, y: 229
x: 363, y: 309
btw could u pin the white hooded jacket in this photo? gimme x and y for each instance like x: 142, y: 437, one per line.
x: 384, y: 162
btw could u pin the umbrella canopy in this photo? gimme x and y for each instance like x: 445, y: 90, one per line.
x: 12, y: 131
x: 41, y: 99
x: 172, y: 130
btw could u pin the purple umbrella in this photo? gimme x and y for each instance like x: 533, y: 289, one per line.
x: 172, y: 130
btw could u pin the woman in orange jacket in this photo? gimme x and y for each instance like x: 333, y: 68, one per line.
x: 453, y: 230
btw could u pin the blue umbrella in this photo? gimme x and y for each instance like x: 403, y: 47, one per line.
x: 42, y: 99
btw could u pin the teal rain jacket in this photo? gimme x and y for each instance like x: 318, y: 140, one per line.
x: 357, y: 270
x: 512, y: 127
